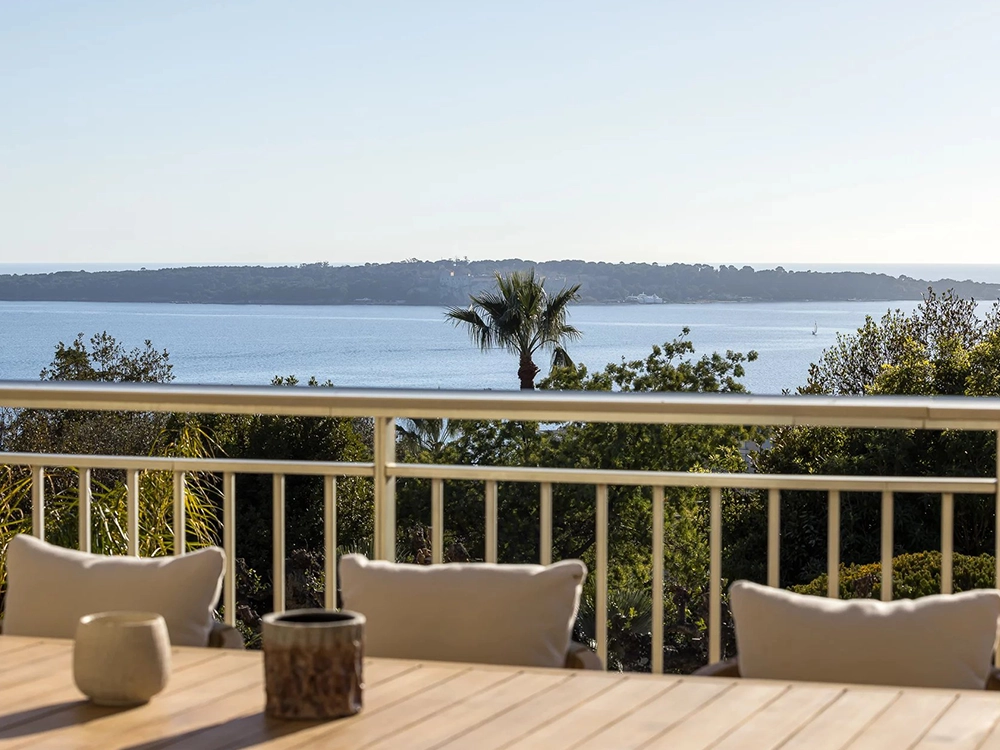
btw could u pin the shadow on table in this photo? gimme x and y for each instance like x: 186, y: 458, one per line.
x: 246, y: 731
x: 53, y: 716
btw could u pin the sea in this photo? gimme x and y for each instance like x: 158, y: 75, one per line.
x: 374, y: 346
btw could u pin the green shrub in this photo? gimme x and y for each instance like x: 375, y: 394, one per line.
x: 913, y: 575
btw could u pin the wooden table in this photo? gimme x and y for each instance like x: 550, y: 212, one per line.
x: 215, y: 700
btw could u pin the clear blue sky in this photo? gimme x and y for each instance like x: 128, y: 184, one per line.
x: 207, y: 131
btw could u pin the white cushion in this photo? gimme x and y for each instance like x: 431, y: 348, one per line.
x: 935, y: 641
x: 471, y: 612
x: 50, y: 588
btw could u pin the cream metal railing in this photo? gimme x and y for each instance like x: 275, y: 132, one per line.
x: 386, y: 406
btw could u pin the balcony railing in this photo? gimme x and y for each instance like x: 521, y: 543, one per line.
x: 385, y: 407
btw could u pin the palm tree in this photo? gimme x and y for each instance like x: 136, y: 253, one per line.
x: 427, y: 435
x: 521, y: 317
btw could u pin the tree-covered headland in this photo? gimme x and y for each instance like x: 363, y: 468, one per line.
x: 450, y: 282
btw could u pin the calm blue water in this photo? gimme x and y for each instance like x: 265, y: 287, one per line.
x: 374, y: 346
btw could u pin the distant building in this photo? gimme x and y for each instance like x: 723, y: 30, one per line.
x: 644, y: 299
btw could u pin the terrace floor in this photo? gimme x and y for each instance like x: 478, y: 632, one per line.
x: 215, y: 699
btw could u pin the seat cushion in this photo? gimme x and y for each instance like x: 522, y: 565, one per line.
x: 470, y: 612
x: 936, y: 641
x: 50, y: 588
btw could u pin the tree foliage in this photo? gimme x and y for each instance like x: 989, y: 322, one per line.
x: 914, y: 575
x: 942, y: 349
x: 121, y: 433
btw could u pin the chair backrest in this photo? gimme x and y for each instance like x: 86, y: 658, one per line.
x: 468, y: 612
x: 944, y: 641
x: 50, y: 588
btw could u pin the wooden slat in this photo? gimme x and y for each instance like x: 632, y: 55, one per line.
x: 98, y: 727
x: 778, y: 721
x: 719, y: 717
x: 373, y: 726
x: 905, y: 721
x: 527, y: 717
x: 653, y: 718
x: 239, y: 721
x: 595, y: 715
x: 842, y: 721
x: 11, y: 645
x: 966, y: 725
x: 28, y: 661
x: 49, y: 708
x: 451, y: 724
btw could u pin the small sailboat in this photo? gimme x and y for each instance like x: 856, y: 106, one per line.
x: 815, y: 328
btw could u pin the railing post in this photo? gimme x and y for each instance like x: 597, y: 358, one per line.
x: 601, y: 576
x: 887, y: 523
x: 833, y: 545
x: 38, y: 502
x: 545, y: 524
x: 229, y: 545
x: 715, y: 576
x: 83, y: 509
x: 658, y: 523
x: 947, y: 540
x: 278, y: 541
x: 996, y: 551
x: 437, y: 521
x: 773, y: 537
x: 132, y: 512
x: 385, y: 489
x: 180, y: 517
x: 491, y: 522
x: 330, y: 541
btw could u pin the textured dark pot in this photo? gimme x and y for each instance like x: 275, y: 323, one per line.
x: 313, y: 662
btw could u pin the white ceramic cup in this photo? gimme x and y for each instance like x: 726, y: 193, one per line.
x: 121, y: 658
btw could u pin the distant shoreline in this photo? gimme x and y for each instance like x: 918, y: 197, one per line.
x: 448, y: 283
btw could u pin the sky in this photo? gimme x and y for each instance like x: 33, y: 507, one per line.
x: 205, y: 131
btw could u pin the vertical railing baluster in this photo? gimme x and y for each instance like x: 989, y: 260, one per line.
x: 229, y: 545
x: 180, y: 517
x: 887, y: 521
x: 330, y: 541
x: 491, y: 522
x: 657, y: 580
x: 996, y: 542
x: 132, y: 510
x: 833, y: 545
x: 715, y: 577
x: 83, y: 509
x: 278, y: 540
x: 947, y: 539
x: 773, y: 537
x: 38, y: 501
x: 385, y: 489
x: 545, y: 523
x: 437, y: 521
x: 601, y: 587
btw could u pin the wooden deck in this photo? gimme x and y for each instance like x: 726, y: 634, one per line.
x: 215, y: 700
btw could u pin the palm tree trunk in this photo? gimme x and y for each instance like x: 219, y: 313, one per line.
x: 526, y: 372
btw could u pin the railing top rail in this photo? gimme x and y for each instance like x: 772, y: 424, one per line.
x: 547, y: 406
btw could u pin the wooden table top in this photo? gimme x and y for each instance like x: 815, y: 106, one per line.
x: 215, y: 700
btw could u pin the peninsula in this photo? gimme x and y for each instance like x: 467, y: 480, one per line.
x: 449, y: 282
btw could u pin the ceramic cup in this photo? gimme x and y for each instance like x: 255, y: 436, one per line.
x: 121, y: 658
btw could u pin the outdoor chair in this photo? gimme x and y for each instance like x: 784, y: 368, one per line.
x: 518, y: 615
x: 942, y: 641
x: 49, y: 588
